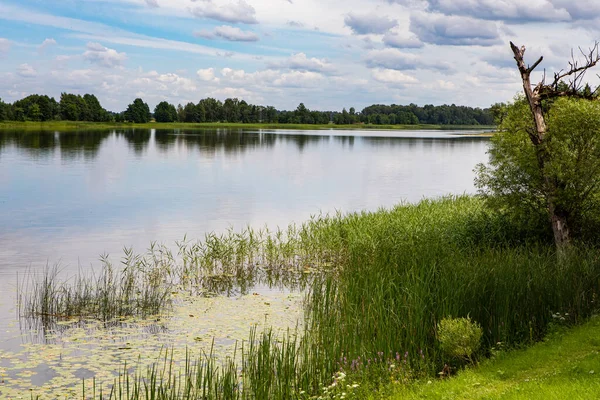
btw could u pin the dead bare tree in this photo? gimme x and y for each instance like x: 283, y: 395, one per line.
x: 536, y: 95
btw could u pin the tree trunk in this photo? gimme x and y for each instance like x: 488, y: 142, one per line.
x: 560, y: 229
x: 558, y: 218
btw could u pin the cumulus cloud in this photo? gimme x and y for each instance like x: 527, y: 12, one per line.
x: 231, y: 33
x: 511, y: 11
x: 26, y: 71
x: 401, y: 42
x: 98, y: 54
x: 301, y: 62
x: 299, y: 79
x: 580, y: 9
x: 506, y: 10
x: 47, y: 43
x: 397, y: 60
x: 295, y: 24
x: 452, y: 30
x: 369, y: 23
x: 207, y: 75
x: 234, y: 13
x: 392, y: 77
x: 270, y: 77
x: 152, y: 3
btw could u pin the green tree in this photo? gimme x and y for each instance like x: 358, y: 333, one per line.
x: 165, y: 112
x: 34, y: 112
x: 138, y: 112
x: 541, y: 98
x: 498, y: 111
x: 515, y: 183
x: 3, y: 111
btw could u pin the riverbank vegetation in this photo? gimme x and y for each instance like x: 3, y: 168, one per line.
x: 87, y: 108
x: 380, y: 283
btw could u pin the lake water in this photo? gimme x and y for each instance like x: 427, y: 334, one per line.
x: 67, y: 198
x: 70, y: 197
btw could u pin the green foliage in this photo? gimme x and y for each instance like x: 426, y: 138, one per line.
x: 459, y: 337
x: 165, y: 112
x: 138, y: 112
x: 81, y: 108
x: 564, y: 366
x: 513, y: 181
x: 36, y: 108
x: 428, y: 114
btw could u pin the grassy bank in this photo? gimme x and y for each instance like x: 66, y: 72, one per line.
x: 68, y: 125
x: 381, y: 283
x: 565, y: 366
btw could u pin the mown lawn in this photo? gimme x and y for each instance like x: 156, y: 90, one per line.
x: 565, y: 366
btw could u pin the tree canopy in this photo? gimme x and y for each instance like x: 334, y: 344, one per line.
x: 74, y: 107
x: 514, y: 183
x: 138, y: 112
x: 165, y: 112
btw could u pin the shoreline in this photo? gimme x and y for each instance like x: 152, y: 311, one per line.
x: 72, y: 125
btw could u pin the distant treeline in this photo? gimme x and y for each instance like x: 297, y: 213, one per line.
x: 73, y: 107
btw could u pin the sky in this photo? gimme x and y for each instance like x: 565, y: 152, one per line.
x: 327, y: 54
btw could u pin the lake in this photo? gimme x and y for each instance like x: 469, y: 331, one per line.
x: 68, y: 198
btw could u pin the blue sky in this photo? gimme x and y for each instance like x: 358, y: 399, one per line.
x: 327, y: 54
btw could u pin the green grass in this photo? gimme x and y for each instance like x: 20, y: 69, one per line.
x: 68, y: 125
x: 565, y: 366
x: 380, y: 283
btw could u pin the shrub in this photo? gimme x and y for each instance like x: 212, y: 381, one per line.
x: 459, y: 337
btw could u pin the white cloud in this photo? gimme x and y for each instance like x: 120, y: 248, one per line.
x: 26, y: 71
x: 301, y: 62
x: 402, y: 42
x: 362, y: 24
x: 169, y: 82
x: 207, y: 75
x: 270, y: 78
x: 152, y: 3
x: 47, y: 43
x: 299, y: 79
x: 98, y: 54
x: 394, y: 77
x: 503, y: 10
x: 398, y: 60
x: 452, y: 30
x: 441, y: 85
x: 231, y: 33
x: 234, y: 13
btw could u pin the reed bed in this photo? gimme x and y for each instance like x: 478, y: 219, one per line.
x: 379, y: 284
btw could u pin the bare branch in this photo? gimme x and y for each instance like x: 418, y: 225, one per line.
x: 578, y: 71
x: 530, y: 69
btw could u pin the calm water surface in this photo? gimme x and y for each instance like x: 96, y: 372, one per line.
x: 69, y: 197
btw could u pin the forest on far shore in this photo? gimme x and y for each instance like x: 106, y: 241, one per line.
x: 73, y: 107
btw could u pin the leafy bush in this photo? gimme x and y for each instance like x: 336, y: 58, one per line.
x: 459, y: 337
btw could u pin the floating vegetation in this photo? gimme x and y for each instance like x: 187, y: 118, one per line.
x: 228, y: 264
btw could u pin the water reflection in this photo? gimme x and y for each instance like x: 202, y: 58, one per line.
x: 73, y: 145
